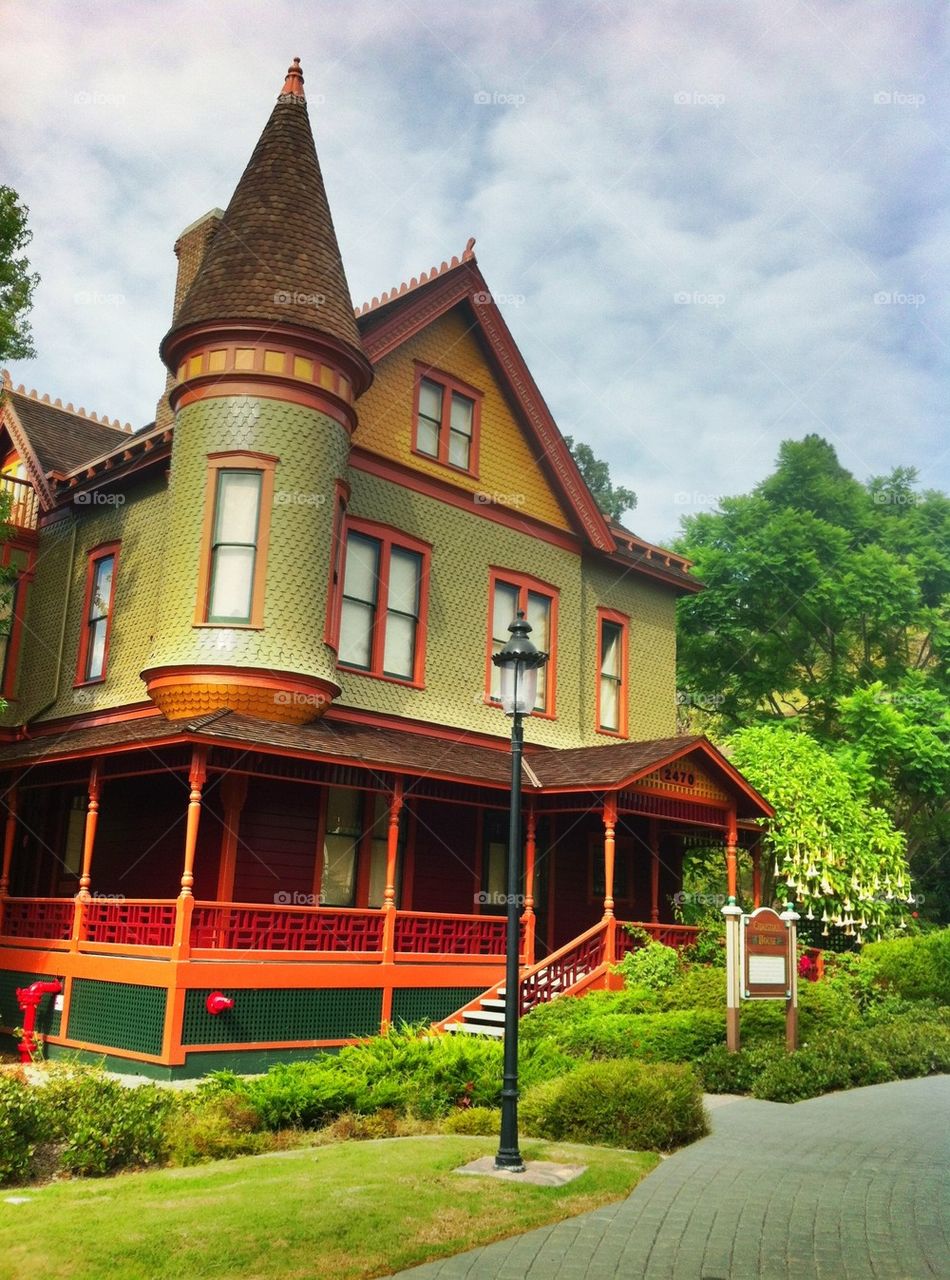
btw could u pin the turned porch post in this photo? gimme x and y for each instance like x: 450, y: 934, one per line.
x: 654, y: 871
x: 186, y: 900
x: 392, y: 855
x: 530, y: 855
x: 732, y: 839
x: 88, y: 845
x: 9, y: 841
x: 610, y: 830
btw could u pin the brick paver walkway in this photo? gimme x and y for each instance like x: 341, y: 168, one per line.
x: 861, y: 1190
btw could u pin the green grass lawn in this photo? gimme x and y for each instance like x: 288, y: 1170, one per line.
x: 355, y: 1209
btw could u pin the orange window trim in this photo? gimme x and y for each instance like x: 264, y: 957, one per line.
x: 623, y: 622
x: 331, y: 627
x: 95, y: 555
x: 388, y: 537
x: 525, y: 583
x: 448, y: 383
x: 239, y: 460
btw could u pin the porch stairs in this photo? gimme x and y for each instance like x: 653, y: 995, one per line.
x: 583, y: 964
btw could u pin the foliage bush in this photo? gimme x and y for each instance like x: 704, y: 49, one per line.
x: 651, y: 965
x: 481, y: 1122
x: 620, y: 1104
x: 699, y: 987
x: 212, y: 1126
x: 708, y: 947
x: 110, y: 1126
x: 20, y: 1127
x: 676, y: 1036
x: 917, y: 968
x: 840, y: 1061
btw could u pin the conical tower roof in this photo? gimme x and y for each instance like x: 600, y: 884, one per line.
x: 275, y: 259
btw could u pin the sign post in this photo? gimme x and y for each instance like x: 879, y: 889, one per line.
x: 791, y: 919
x: 768, y: 963
x: 733, y: 916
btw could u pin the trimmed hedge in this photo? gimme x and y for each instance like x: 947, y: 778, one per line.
x: 916, y: 968
x: 619, y: 1104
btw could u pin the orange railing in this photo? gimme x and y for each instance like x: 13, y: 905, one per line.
x: 24, y: 505
x: 129, y: 922
x: 436, y: 933
x: 671, y: 935
x: 45, y: 920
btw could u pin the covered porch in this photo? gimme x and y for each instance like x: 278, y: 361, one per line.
x: 329, y: 880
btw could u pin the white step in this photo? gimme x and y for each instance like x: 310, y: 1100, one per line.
x: 473, y: 1029
x: 493, y: 1004
x: 484, y: 1015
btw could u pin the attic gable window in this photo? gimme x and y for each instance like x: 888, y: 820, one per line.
x: 446, y: 420
x: 239, y: 498
x: 382, y: 612
x: 97, y: 615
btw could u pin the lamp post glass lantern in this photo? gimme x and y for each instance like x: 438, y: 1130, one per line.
x: 519, y: 663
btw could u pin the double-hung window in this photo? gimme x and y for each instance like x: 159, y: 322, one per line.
x: 612, y: 672
x: 509, y: 592
x: 97, y: 615
x: 446, y: 420
x: 233, y: 559
x: 383, y: 603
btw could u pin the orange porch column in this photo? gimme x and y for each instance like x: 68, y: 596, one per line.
x: 88, y: 845
x: 732, y: 839
x: 654, y: 871
x: 530, y: 858
x: 389, y: 897
x: 610, y: 846
x: 186, y: 901
x: 757, y: 877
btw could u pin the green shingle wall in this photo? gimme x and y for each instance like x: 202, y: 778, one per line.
x: 117, y: 1015
x: 159, y: 528
x: 312, y: 449
x: 48, y: 1017
x: 295, y: 1014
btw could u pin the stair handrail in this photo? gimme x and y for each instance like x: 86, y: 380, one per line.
x: 529, y: 972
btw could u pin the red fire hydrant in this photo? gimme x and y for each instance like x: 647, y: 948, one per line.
x: 28, y: 998
x: 217, y: 1002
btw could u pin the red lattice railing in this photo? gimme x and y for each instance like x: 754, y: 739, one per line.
x: 242, y: 928
x: 429, y: 933
x: 671, y: 935
x: 134, y: 923
x: 561, y: 970
x: 47, y: 918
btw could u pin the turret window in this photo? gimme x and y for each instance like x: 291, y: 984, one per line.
x: 382, y: 604
x: 232, y: 574
x: 97, y: 615
x: 446, y: 420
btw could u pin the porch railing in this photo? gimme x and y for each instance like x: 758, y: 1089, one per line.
x: 47, y: 920
x: 236, y: 927
x: 671, y: 935
x: 24, y: 504
x: 129, y: 922
x: 433, y: 933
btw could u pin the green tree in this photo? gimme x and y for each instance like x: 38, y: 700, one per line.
x: 17, y: 282
x: 836, y: 854
x: 613, y: 499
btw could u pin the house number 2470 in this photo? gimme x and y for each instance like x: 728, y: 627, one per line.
x: 682, y: 776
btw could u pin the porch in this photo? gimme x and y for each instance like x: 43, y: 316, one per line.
x: 326, y: 897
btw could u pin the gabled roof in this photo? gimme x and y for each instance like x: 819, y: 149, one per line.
x: 275, y: 257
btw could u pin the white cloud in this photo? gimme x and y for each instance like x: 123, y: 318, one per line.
x: 785, y: 159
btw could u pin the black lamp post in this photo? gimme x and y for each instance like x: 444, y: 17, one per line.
x: 519, y: 663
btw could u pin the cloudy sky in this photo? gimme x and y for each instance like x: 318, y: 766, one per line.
x: 712, y: 226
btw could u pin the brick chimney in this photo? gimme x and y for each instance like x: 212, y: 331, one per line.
x: 190, y: 249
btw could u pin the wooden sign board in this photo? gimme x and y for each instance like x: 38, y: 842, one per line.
x: 766, y: 965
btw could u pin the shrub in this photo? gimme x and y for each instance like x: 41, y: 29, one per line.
x: 111, y: 1126
x: 911, y: 1047
x: 725, y: 1072
x: 708, y: 947
x: 700, y: 987
x: 20, y: 1127
x: 482, y: 1122
x: 917, y: 968
x: 213, y: 1126
x: 652, y: 965
x: 677, y: 1036
x: 621, y: 1104
x: 840, y: 1061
